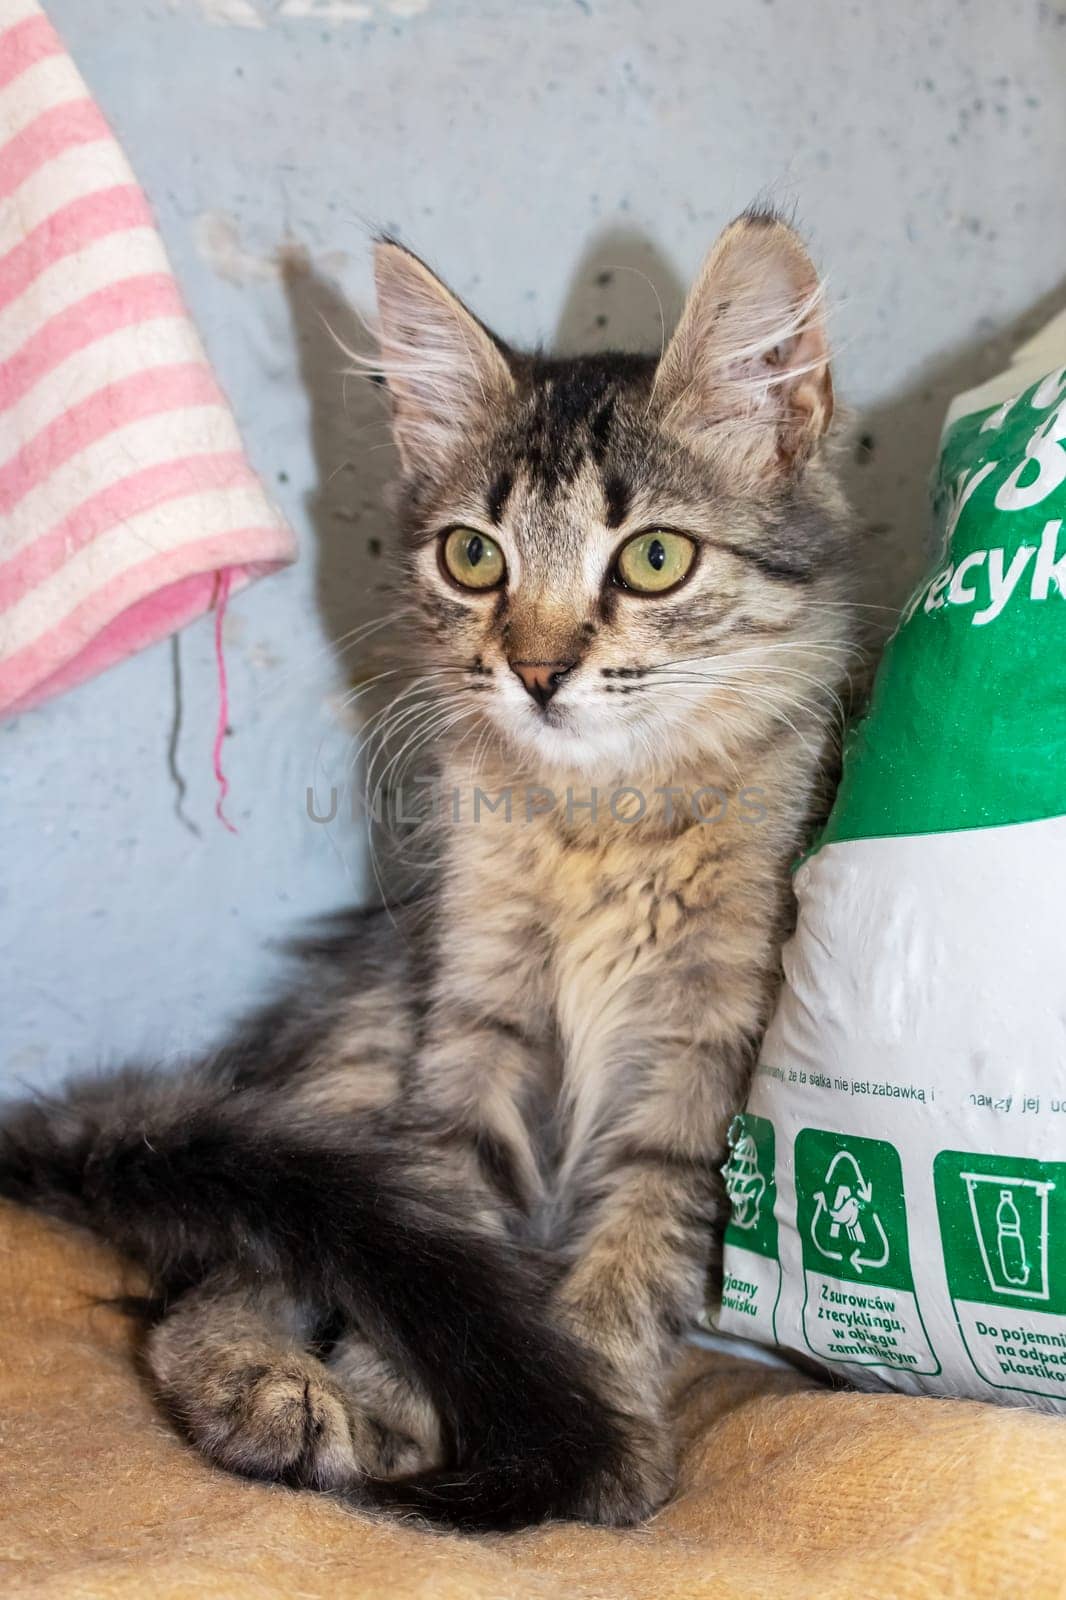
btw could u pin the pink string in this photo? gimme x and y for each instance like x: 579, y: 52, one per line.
x: 221, y: 600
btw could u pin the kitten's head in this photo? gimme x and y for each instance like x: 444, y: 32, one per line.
x: 623, y: 562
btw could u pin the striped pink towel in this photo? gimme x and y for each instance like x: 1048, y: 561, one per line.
x: 126, y: 501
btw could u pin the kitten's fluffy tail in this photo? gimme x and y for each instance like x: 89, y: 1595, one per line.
x: 184, y: 1177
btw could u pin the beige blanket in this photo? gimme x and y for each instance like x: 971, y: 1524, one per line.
x: 786, y: 1490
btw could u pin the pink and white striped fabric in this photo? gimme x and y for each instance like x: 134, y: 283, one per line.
x: 126, y: 500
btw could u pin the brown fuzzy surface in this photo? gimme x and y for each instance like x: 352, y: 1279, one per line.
x: 786, y: 1490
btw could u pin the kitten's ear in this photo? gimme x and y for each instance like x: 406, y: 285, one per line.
x: 750, y: 359
x: 444, y: 370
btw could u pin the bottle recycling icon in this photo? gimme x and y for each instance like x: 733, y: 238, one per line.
x: 845, y: 1224
x: 1013, y: 1256
x: 1003, y: 1230
x: 1010, y: 1221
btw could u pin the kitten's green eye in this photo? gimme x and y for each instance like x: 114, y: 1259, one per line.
x: 655, y: 561
x: 473, y: 559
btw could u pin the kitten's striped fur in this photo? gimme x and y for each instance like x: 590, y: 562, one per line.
x: 430, y: 1231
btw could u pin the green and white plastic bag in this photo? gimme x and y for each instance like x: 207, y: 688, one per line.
x: 898, y: 1179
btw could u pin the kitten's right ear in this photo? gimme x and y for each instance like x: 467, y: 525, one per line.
x: 444, y: 371
x: 747, y: 371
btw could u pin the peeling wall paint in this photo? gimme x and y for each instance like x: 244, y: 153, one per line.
x: 325, y: 11
x: 218, y: 241
x: 259, y: 13
x: 219, y: 244
x: 232, y: 13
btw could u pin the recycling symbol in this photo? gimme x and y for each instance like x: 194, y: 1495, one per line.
x: 845, y: 1224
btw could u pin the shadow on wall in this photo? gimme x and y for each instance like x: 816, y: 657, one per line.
x: 625, y: 295
x: 352, y: 525
x: 354, y: 460
x: 889, y: 452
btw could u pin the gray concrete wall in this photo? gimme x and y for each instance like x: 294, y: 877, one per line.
x: 528, y: 148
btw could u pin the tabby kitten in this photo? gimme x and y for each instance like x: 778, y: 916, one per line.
x: 430, y: 1231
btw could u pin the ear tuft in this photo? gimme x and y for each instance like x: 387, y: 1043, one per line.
x: 445, y: 372
x: 748, y: 367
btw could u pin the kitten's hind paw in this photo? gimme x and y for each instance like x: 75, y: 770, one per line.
x: 267, y: 1413
x: 278, y: 1420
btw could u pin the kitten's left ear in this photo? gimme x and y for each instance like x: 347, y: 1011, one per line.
x: 444, y: 370
x: 750, y: 358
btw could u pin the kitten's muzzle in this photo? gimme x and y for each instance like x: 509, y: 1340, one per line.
x: 541, y: 679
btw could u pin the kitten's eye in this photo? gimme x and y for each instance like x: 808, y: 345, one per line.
x: 472, y: 559
x: 655, y: 561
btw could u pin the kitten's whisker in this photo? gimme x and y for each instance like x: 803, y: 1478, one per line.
x: 796, y: 646
x: 389, y: 724
x: 725, y: 663
x: 392, y: 727
x: 483, y: 739
x: 423, y: 718
x: 431, y: 728
x: 423, y: 675
x: 762, y: 693
x: 392, y: 704
x: 775, y: 710
x: 766, y: 681
x: 361, y: 744
x: 346, y: 642
x: 369, y: 684
x: 850, y: 605
x: 361, y: 689
x: 388, y: 719
x: 775, y: 669
x: 423, y: 708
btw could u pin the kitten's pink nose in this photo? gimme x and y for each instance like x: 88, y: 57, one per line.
x: 541, y: 678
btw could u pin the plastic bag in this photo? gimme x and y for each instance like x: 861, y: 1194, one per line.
x: 898, y: 1178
